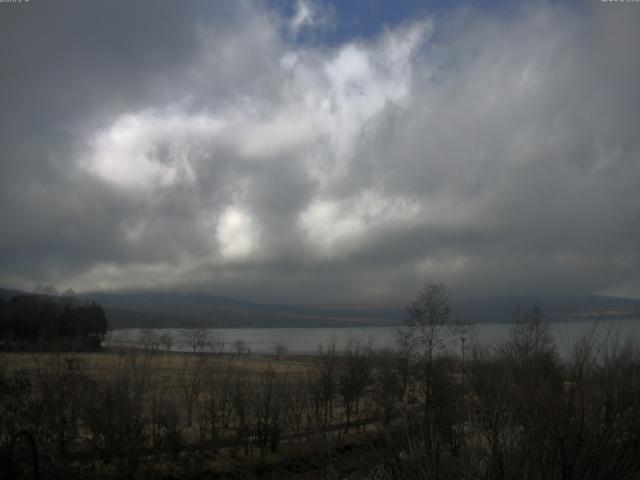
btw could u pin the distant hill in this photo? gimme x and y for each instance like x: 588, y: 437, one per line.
x: 8, y: 293
x: 578, y: 307
x: 178, y: 310
x: 157, y: 310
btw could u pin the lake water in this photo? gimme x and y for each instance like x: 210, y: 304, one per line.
x: 307, y: 340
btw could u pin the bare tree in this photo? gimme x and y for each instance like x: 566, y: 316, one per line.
x: 216, y: 408
x: 279, y: 349
x: 164, y: 415
x: 116, y: 411
x: 166, y: 340
x: 353, y: 378
x: 190, y: 379
x: 387, y: 383
x: 241, y: 394
x: 196, y: 338
x: 579, y: 420
x: 217, y: 342
x: 327, y: 365
x: 424, y: 338
x: 148, y: 340
x: 270, y: 409
x: 240, y: 346
x: 298, y: 403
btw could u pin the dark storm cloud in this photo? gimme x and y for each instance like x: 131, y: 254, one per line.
x: 197, y: 146
x: 67, y: 68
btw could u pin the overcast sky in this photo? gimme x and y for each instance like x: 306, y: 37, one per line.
x: 307, y: 151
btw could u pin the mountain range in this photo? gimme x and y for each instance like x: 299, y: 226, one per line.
x: 175, y: 310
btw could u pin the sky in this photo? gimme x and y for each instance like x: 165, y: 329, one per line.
x: 308, y: 151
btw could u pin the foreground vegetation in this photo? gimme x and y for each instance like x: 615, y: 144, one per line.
x: 420, y: 411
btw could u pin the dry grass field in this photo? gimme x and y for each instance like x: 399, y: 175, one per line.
x: 97, y: 364
x: 515, y: 411
x: 142, y: 409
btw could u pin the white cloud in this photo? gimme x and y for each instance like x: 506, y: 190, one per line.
x: 438, y: 148
x: 334, y: 228
x: 327, y: 104
x: 282, y: 133
x: 149, y: 149
x: 237, y: 234
x: 310, y: 14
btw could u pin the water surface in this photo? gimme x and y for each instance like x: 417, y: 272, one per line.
x: 307, y: 340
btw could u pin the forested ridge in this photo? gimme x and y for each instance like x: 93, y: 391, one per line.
x: 48, y: 322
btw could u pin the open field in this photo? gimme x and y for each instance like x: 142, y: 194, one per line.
x: 516, y: 410
x: 96, y: 364
x: 218, y: 409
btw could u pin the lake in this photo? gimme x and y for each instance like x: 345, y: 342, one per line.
x: 307, y: 340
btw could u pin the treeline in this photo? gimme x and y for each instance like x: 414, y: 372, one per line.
x: 157, y: 414
x: 426, y: 409
x: 48, y: 322
x: 511, y: 410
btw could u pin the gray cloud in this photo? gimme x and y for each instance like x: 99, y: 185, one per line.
x: 198, y: 146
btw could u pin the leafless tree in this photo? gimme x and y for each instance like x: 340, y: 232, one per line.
x: 164, y: 416
x: 240, y: 346
x: 166, y: 340
x: 116, y: 411
x: 196, y: 338
x: 241, y: 394
x: 423, y: 335
x: 327, y: 376
x: 148, y: 340
x: 279, y: 349
x: 270, y: 409
x: 299, y: 404
x: 191, y: 379
x: 387, y: 383
x: 353, y: 377
x: 216, y: 408
x: 424, y: 339
x: 217, y: 342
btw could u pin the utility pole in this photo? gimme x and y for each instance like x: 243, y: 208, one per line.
x: 462, y: 340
